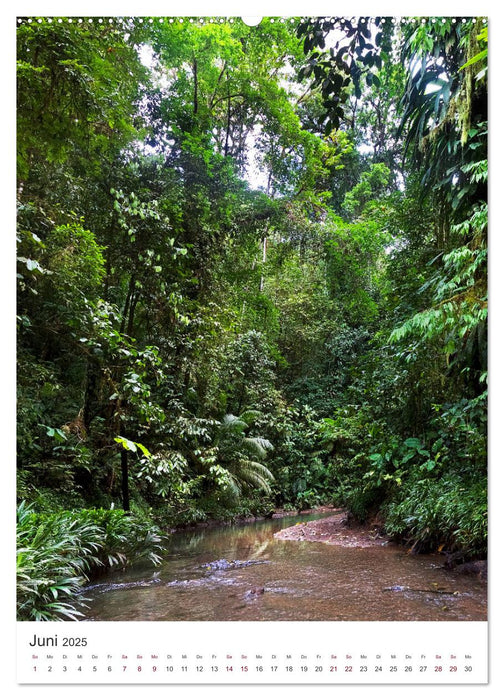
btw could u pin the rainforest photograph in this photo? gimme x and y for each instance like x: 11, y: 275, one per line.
x: 251, y: 318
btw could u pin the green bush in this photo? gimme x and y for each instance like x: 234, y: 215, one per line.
x: 449, y: 512
x: 57, y: 553
x: 220, y: 506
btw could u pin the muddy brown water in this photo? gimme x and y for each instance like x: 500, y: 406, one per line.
x: 243, y: 573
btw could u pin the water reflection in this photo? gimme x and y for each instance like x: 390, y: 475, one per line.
x: 243, y: 573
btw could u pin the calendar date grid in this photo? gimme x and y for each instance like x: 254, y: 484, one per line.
x: 251, y: 664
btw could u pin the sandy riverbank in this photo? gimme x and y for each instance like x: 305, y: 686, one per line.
x: 335, y: 530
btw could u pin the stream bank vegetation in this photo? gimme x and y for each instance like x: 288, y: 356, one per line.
x: 251, y: 276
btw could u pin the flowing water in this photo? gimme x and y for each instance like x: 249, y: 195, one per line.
x: 243, y: 573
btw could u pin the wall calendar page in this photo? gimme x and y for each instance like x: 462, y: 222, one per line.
x: 251, y: 348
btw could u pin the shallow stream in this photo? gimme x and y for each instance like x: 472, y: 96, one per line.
x: 243, y: 573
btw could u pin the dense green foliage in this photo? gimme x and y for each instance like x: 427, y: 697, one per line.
x: 58, y: 552
x: 252, y: 274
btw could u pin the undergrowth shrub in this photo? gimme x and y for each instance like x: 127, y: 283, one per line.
x: 448, y: 513
x: 58, y: 552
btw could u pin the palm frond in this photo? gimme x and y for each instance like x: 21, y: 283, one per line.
x: 239, y: 453
x: 257, y: 446
x: 233, y: 423
x: 234, y: 486
x: 254, y: 474
x: 250, y: 415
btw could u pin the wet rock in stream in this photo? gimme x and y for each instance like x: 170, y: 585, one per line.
x: 434, y: 590
x: 198, y: 582
x: 106, y: 587
x: 254, y: 593
x: 224, y: 564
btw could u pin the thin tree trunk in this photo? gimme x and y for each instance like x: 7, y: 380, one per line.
x: 125, y: 313
x: 228, y: 126
x: 92, y: 392
x: 124, y: 481
x: 131, y: 314
x: 212, y: 100
x: 195, y: 74
x: 264, y: 247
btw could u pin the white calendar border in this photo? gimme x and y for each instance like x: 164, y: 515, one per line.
x: 227, y: 8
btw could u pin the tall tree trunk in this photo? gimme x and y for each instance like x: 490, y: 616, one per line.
x: 195, y: 74
x: 131, y: 314
x: 129, y: 295
x: 92, y: 392
x: 264, y: 248
x: 124, y: 481
x: 228, y: 125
